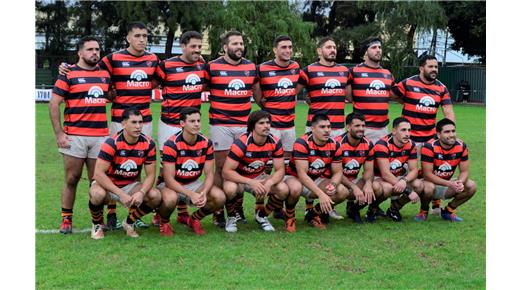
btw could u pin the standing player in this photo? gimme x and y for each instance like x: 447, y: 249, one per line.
x: 326, y: 82
x: 275, y: 91
x: 316, y: 164
x: 84, y: 91
x: 392, y: 153
x: 421, y: 96
x: 231, y: 79
x: 357, y: 151
x: 182, y: 79
x: 117, y: 172
x: 186, y: 156
x: 245, y: 166
x: 131, y: 70
x: 439, y: 159
x: 369, y: 91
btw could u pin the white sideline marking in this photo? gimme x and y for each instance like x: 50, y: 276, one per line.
x: 57, y: 231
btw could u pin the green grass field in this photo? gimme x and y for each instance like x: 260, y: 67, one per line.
x: 436, y: 254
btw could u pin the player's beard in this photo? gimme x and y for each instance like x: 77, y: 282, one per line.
x: 330, y: 58
x: 429, y: 78
x: 374, y: 59
x: 233, y: 56
x: 355, y: 136
x: 91, y: 61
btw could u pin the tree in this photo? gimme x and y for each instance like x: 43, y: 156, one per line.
x: 261, y: 22
x: 467, y: 25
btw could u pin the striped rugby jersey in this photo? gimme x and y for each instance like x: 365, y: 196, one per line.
x: 252, y: 157
x: 84, y: 92
x: 126, y: 160
x: 371, y: 93
x: 397, y: 156
x: 353, y: 157
x: 132, y: 78
x: 320, y: 157
x: 230, y: 91
x: 444, y: 161
x: 189, y: 159
x: 182, y: 83
x: 421, y: 103
x: 278, y: 85
x: 326, y: 91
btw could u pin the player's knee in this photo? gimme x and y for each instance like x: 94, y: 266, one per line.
x: 282, y: 191
x: 471, y: 186
x: 218, y: 198
x: 72, y: 178
x: 168, y: 198
x: 230, y: 189
x: 97, y: 195
x: 341, y: 193
x: 154, y: 197
x: 418, y: 186
x: 377, y: 188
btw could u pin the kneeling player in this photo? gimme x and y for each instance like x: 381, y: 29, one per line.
x: 316, y: 164
x: 357, y: 151
x: 185, y: 156
x: 244, y: 170
x: 116, y: 176
x: 392, y: 153
x: 439, y: 159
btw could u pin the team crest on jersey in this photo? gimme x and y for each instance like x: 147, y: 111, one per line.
x: 327, y: 153
x: 140, y: 153
x: 104, y: 80
x: 247, y: 73
x: 341, y: 73
x: 361, y: 153
x: 199, y: 152
x: 148, y: 63
x: 293, y: 71
x: 453, y: 156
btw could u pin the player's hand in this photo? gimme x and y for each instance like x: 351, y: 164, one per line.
x: 369, y: 194
x: 201, y: 200
x: 400, y: 186
x: 414, y: 197
x: 63, y: 140
x: 63, y: 69
x: 257, y: 187
x: 126, y: 199
x: 325, y: 203
x: 358, y: 193
x: 459, y: 186
x: 137, y: 198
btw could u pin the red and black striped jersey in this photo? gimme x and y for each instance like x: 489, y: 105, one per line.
x: 320, y: 157
x: 230, y: 89
x: 126, y: 160
x: 182, y: 83
x: 371, y: 93
x: 353, y: 157
x: 421, y: 103
x: 189, y: 159
x: 252, y: 157
x: 444, y: 161
x: 326, y: 91
x: 397, y: 156
x: 132, y: 78
x: 84, y: 92
x: 278, y: 85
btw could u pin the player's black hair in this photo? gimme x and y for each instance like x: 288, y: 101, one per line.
x: 185, y: 112
x: 281, y: 38
x: 188, y: 35
x: 319, y: 117
x: 424, y: 58
x: 227, y: 35
x: 322, y: 41
x: 369, y: 42
x: 354, y: 115
x: 136, y: 24
x: 443, y: 122
x: 131, y: 112
x: 255, y: 117
x: 84, y: 39
x: 397, y: 121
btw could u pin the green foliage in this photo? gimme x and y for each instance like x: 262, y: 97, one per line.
x: 467, y: 25
x: 261, y: 22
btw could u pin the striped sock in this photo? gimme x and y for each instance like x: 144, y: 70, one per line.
x: 66, y: 213
x: 96, y: 212
x: 200, y: 213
